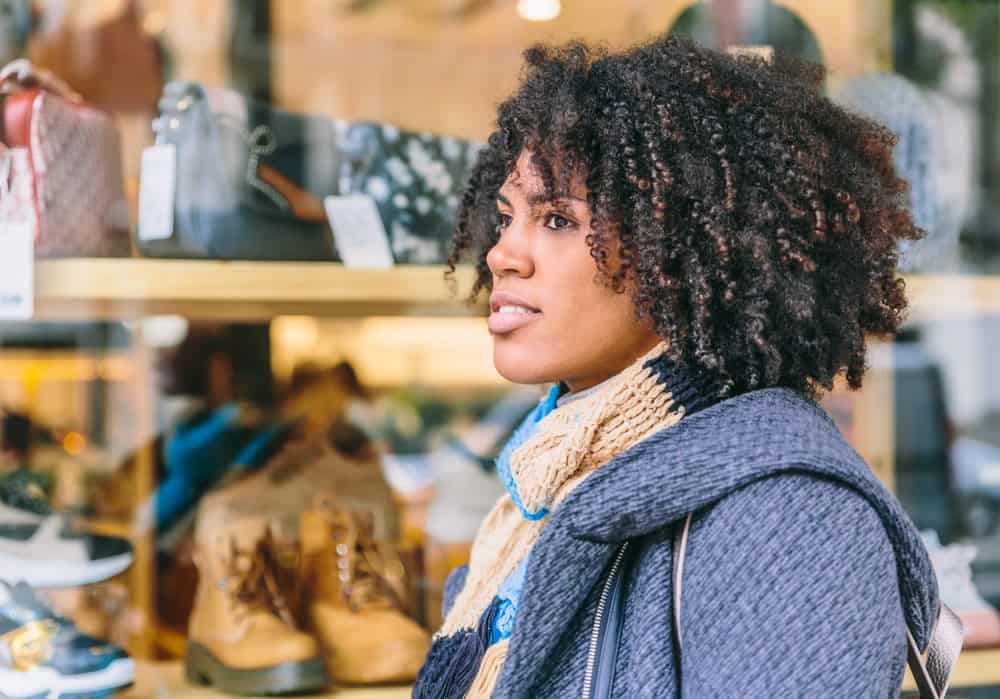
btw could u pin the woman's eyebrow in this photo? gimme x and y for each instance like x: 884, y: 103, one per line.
x: 542, y: 198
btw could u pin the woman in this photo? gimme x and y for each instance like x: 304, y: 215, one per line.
x: 690, y: 246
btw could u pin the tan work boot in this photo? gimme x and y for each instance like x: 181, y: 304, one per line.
x: 355, y: 595
x: 242, y: 634
x: 287, y: 485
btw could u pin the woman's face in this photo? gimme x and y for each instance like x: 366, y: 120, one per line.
x: 550, y: 317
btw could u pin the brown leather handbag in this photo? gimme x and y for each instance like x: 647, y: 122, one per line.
x: 74, y: 158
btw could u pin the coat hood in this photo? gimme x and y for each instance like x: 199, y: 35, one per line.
x: 723, y: 447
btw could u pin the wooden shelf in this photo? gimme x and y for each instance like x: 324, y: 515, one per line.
x: 155, y: 680
x: 129, y: 288
x: 937, y: 297
x: 975, y: 669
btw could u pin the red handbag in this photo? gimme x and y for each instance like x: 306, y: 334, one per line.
x: 74, y: 157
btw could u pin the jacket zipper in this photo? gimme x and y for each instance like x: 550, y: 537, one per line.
x: 595, y: 634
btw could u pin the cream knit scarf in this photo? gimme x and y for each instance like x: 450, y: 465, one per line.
x: 569, y: 444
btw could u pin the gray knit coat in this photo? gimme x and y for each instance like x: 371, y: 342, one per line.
x: 801, y: 575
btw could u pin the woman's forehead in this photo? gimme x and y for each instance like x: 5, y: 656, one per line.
x: 524, y: 181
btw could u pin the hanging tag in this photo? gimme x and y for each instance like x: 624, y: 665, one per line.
x: 17, y: 270
x: 358, y: 231
x: 157, y: 183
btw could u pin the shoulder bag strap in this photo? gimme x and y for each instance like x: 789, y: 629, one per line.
x: 680, y: 549
x: 932, y: 673
x: 22, y: 74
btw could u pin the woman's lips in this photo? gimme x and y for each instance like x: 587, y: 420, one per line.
x: 502, y: 322
x: 508, y: 312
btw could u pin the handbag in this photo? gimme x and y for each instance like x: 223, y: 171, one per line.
x: 251, y: 179
x: 16, y: 193
x: 932, y: 670
x: 71, y: 162
x: 416, y: 180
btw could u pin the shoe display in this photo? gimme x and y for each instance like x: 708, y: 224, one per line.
x: 45, y: 655
x: 201, y: 452
x: 243, y: 636
x: 466, y: 487
x: 952, y: 564
x: 356, y: 596
x: 26, y: 490
x: 46, y: 549
x: 292, y: 480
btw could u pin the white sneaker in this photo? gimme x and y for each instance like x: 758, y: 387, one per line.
x: 952, y: 565
x: 44, y: 551
x: 464, y: 469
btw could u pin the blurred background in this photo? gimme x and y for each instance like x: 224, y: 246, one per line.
x: 231, y: 311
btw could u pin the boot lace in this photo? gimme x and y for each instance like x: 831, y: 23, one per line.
x: 258, y: 579
x: 373, y: 575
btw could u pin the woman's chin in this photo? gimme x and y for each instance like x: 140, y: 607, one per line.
x: 521, y: 364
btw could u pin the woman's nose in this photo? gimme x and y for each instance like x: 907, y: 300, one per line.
x: 511, y: 255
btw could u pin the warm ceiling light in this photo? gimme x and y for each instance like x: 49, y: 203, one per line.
x: 538, y: 10
x: 74, y: 443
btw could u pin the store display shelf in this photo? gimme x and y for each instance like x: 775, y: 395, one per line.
x: 18, y: 365
x: 938, y: 297
x: 122, y: 528
x: 167, y: 680
x: 122, y: 288
x: 975, y: 668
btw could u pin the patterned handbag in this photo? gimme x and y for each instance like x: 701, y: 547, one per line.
x: 16, y: 192
x: 251, y: 179
x: 73, y: 155
x: 416, y: 180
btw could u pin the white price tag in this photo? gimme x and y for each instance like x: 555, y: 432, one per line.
x: 157, y: 183
x: 17, y: 270
x: 358, y: 231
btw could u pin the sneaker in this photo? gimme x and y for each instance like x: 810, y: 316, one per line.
x: 47, y: 551
x: 952, y: 565
x: 44, y: 655
x: 26, y: 490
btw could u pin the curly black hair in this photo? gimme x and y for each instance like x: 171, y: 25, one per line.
x: 753, y: 220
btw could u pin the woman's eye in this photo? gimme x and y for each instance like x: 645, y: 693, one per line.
x: 504, y: 220
x: 557, y: 222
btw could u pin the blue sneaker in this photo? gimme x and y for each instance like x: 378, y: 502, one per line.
x: 44, y: 656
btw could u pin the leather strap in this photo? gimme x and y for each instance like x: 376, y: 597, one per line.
x: 932, y: 673
x: 21, y: 74
x: 680, y: 549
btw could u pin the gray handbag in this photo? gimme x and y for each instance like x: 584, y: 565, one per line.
x: 251, y: 180
x: 931, y: 670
